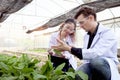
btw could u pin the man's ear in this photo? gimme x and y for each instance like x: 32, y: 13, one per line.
x: 91, y: 17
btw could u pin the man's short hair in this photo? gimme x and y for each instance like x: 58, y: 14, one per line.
x: 86, y: 11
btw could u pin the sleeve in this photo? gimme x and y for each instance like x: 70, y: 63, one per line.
x: 105, y: 45
x: 52, y: 41
x: 77, y: 52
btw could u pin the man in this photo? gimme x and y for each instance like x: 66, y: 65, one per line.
x: 100, y: 48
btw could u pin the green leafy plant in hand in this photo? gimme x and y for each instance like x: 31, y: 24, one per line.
x: 57, y: 51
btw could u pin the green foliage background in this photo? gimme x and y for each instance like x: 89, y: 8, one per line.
x: 26, y: 68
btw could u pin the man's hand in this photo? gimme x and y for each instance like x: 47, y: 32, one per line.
x: 62, y: 46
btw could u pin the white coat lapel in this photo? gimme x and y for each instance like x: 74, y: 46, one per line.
x: 95, y: 40
x: 86, y: 39
x: 97, y: 36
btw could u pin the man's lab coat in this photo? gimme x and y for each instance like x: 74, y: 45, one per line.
x: 104, y: 45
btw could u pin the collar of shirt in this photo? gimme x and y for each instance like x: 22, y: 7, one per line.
x: 90, y: 34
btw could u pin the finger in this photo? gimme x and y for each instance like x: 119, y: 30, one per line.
x: 60, y: 41
x: 54, y: 47
x: 49, y: 50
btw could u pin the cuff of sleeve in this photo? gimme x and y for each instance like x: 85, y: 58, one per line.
x: 77, y: 52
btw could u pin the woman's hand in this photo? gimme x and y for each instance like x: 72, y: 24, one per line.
x: 62, y: 46
x: 50, y: 51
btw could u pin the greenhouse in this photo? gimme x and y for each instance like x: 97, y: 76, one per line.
x: 26, y: 27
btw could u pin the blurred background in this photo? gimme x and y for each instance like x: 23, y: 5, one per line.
x: 13, y: 30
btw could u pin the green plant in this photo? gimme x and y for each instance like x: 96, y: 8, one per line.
x: 14, y: 68
x: 56, y: 51
x: 25, y: 68
x: 57, y: 74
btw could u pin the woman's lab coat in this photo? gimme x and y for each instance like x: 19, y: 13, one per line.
x: 104, y: 45
x: 67, y: 55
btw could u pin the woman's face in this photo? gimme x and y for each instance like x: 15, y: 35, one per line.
x: 68, y: 28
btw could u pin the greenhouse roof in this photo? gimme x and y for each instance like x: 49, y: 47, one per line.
x: 39, y: 12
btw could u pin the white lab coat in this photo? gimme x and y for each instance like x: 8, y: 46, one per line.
x: 104, y: 45
x: 67, y: 55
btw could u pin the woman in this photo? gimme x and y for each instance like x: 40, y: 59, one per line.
x: 67, y: 34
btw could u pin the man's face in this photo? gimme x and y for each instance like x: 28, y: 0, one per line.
x: 83, y: 22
